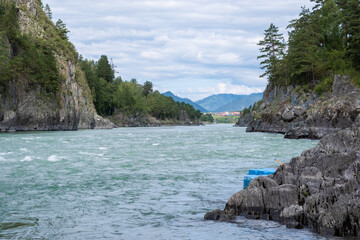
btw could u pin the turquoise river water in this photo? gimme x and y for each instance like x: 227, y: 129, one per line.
x: 135, y: 183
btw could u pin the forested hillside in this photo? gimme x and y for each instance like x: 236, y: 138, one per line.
x: 314, y: 78
x: 322, y: 42
x: 45, y: 85
x: 41, y: 84
x: 113, y: 95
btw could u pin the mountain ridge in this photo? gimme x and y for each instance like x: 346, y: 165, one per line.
x: 226, y: 102
x: 185, y: 100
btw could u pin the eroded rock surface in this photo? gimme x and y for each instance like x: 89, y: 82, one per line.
x: 25, y: 108
x: 319, y: 190
x: 305, y: 115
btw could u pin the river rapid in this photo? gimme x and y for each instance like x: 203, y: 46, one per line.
x: 135, y: 183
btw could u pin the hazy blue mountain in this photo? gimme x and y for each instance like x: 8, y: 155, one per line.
x: 185, y: 100
x: 242, y: 102
x: 228, y: 102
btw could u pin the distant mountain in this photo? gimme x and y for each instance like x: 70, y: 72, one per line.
x: 229, y: 102
x: 216, y: 101
x: 185, y: 100
x: 242, y: 102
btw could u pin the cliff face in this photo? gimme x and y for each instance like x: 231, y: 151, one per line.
x: 319, y: 189
x: 299, y: 114
x: 24, y: 108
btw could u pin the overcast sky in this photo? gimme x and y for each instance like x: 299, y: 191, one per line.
x: 194, y: 48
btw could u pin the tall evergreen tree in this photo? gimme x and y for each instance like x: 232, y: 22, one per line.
x: 303, y: 54
x: 351, y: 13
x: 62, y: 29
x: 104, y: 69
x: 48, y: 11
x: 272, y: 49
x: 147, y: 88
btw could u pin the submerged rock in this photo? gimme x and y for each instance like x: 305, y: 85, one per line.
x: 319, y: 190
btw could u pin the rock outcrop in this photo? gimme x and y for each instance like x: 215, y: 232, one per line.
x: 124, y: 119
x: 305, y: 114
x: 24, y: 108
x: 319, y: 190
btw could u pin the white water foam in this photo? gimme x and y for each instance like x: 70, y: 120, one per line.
x: 27, y: 159
x: 24, y: 149
x: 54, y: 158
x: 7, y: 153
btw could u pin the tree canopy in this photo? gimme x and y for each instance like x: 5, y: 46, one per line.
x: 322, y: 41
x: 272, y: 49
x: 115, y: 95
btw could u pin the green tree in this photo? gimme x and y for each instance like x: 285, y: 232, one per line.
x: 104, y: 69
x: 129, y: 98
x: 48, y: 11
x: 62, y: 30
x: 351, y: 26
x: 207, y: 118
x: 272, y: 49
x: 147, y: 88
x: 303, y: 53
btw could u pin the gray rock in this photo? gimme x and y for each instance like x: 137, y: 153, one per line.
x: 103, y: 123
x: 342, y: 86
x: 305, y: 115
x: 25, y: 108
x: 218, y: 215
x: 288, y: 114
x: 319, y: 190
x: 244, y: 120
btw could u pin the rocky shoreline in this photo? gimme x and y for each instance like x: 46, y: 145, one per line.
x: 304, y: 114
x: 320, y: 189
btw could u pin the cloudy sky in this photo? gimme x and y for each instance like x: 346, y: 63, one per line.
x: 193, y: 48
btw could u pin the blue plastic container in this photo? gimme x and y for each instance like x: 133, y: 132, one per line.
x: 254, y: 173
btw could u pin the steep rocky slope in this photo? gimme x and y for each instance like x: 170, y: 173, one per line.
x: 300, y: 114
x: 23, y: 106
x: 319, y: 189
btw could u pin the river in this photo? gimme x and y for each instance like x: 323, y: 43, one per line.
x: 135, y: 183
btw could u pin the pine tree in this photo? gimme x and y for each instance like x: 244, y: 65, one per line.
x: 147, y: 88
x: 304, y: 53
x: 272, y: 49
x: 351, y: 18
x: 62, y: 29
x: 104, y: 69
x: 48, y: 11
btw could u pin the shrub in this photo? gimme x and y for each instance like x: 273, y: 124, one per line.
x: 324, y: 86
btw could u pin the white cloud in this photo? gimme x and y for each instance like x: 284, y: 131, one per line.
x: 178, y: 44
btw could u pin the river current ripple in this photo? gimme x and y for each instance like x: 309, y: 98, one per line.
x: 135, y: 183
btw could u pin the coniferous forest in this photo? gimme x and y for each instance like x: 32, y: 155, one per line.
x: 112, y: 94
x: 323, y: 41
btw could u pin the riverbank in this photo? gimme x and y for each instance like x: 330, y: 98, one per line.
x: 302, y: 113
x: 319, y: 190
